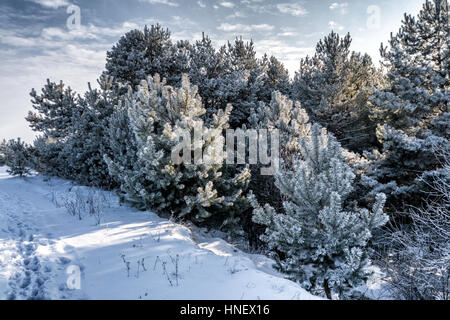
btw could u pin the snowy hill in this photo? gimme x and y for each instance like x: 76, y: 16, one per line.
x: 129, y: 255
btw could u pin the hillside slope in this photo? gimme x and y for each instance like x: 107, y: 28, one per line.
x: 129, y: 255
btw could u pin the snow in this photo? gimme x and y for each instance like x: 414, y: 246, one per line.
x: 376, y: 286
x: 129, y: 255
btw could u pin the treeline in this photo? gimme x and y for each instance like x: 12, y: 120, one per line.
x: 358, y: 144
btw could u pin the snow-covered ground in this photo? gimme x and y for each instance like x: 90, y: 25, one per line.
x: 129, y: 255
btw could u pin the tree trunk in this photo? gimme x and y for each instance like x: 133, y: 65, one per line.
x: 327, y: 289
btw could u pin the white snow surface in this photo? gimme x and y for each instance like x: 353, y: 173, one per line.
x: 129, y: 255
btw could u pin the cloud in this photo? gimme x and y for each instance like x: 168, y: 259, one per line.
x: 294, y: 9
x: 54, y: 4
x: 181, y: 22
x: 342, y: 7
x: 335, y: 26
x: 289, y: 53
x: 227, y: 4
x: 201, y: 4
x: 336, y: 5
x: 244, y: 28
x: 29, y: 58
x: 259, y: 7
x: 76, y: 64
x: 53, y: 37
x: 288, y: 32
x: 165, y: 2
x: 10, y: 39
x: 237, y: 14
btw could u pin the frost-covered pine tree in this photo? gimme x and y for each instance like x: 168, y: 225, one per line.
x: 141, y: 53
x: 3, y: 152
x: 230, y: 75
x: 334, y: 86
x: 176, y: 63
x: 122, y: 154
x: 320, y: 77
x: 319, y: 240
x: 241, y: 82
x: 285, y: 115
x: 276, y: 78
x: 18, y: 158
x: 88, y: 142
x: 207, y: 69
x: 352, y: 122
x: 159, y: 116
x: 414, y: 107
x: 54, y: 109
x: 234, y: 75
x: 132, y: 57
x: 292, y: 122
x: 53, y: 117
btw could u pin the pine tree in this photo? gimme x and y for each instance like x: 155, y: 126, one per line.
x: 159, y: 115
x: 177, y: 62
x: 54, y: 109
x: 88, y: 142
x: 126, y: 61
x: 319, y: 240
x: 48, y: 156
x: 122, y: 155
x: 18, y: 158
x: 320, y: 78
x: 414, y: 105
x: 230, y: 75
x: 207, y: 69
x: 142, y: 53
x: 3, y: 153
x: 284, y: 115
x: 334, y: 86
x: 352, y: 120
x: 292, y: 122
x: 53, y: 117
x: 276, y: 78
x: 241, y: 82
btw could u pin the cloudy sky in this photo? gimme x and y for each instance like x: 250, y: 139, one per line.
x: 68, y: 39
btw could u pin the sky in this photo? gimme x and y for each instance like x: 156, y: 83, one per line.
x: 68, y: 39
